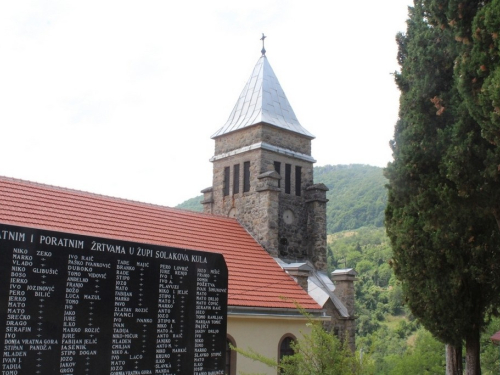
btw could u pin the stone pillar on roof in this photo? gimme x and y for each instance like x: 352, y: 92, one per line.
x: 266, y: 218
x: 344, y: 287
x: 316, y: 225
x: 208, y: 200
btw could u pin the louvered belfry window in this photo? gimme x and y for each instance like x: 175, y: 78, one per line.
x: 246, y: 176
x: 288, y: 178
x: 277, y: 168
x: 298, y: 180
x: 236, y: 179
x: 227, y: 173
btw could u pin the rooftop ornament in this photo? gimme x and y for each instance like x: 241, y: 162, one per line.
x: 263, y: 51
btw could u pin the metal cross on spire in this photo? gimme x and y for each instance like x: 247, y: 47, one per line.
x: 263, y: 51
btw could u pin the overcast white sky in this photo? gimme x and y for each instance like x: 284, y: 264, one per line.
x: 121, y: 97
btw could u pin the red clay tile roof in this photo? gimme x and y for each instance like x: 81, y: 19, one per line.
x: 255, y: 279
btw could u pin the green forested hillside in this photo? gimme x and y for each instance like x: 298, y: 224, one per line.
x: 192, y: 204
x: 357, y: 196
x: 385, y: 329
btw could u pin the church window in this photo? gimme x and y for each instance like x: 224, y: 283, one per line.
x: 227, y: 173
x: 277, y: 168
x: 230, y: 357
x: 236, y: 179
x: 298, y: 180
x: 285, y: 347
x: 246, y: 176
x: 288, y: 178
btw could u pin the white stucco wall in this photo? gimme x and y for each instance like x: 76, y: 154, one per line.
x: 263, y: 335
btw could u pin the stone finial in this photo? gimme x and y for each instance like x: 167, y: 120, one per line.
x: 344, y: 274
x: 268, y: 181
x: 301, y: 273
x: 316, y: 192
x: 208, y: 200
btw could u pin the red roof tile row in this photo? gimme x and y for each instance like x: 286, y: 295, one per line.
x: 255, y: 279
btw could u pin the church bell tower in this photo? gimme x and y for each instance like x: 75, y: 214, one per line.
x: 263, y: 173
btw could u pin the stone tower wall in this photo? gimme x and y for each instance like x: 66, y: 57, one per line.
x: 293, y: 238
x: 262, y: 133
x: 345, y: 291
x: 261, y: 209
x: 316, y: 225
x: 267, y: 164
x: 344, y: 328
x: 242, y: 201
x: 285, y: 139
x: 238, y: 139
x: 256, y: 209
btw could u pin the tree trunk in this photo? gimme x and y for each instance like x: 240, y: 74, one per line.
x: 454, y: 360
x: 472, y: 357
x: 497, y: 216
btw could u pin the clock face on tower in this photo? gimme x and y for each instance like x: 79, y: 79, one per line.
x: 288, y: 217
x: 232, y: 213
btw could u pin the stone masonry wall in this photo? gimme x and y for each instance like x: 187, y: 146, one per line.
x: 345, y: 291
x: 253, y: 209
x: 285, y: 139
x: 262, y: 133
x: 267, y: 163
x: 261, y: 211
x: 223, y: 204
x: 238, y: 139
x: 316, y: 225
x: 344, y: 328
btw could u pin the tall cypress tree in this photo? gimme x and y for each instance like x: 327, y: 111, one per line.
x: 478, y: 68
x: 475, y: 26
x: 444, y: 245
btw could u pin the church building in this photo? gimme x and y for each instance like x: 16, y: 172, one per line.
x: 263, y: 213
x: 263, y: 177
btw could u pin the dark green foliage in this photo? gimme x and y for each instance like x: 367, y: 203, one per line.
x: 475, y: 24
x: 357, y: 196
x: 321, y: 352
x: 490, y: 353
x: 193, y: 204
x: 444, y: 236
x: 427, y: 356
x: 477, y: 76
x: 479, y: 70
x: 368, y: 251
x: 382, y: 329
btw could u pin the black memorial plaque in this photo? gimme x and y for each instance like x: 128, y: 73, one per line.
x: 72, y: 304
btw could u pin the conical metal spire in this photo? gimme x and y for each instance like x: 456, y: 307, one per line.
x: 262, y: 100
